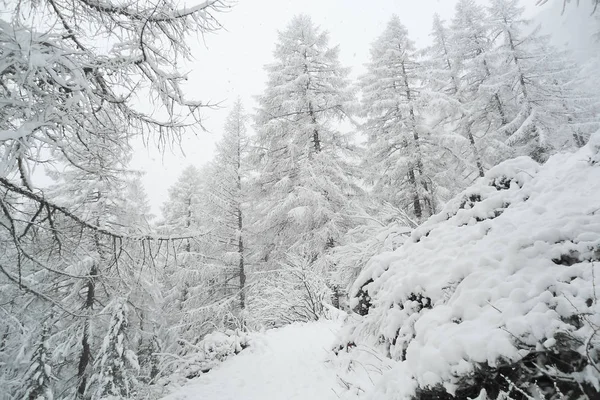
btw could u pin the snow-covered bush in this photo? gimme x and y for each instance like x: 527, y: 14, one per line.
x: 361, y: 244
x: 495, y: 296
x: 215, y: 348
x: 294, y: 292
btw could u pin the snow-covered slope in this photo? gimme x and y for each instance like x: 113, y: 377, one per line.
x: 499, y: 291
x: 282, y: 364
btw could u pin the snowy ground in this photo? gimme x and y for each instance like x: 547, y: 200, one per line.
x: 281, y: 364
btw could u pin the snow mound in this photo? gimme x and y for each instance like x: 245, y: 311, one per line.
x: 495, y: 295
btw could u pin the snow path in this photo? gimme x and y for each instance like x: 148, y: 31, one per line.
x: 282, y: 364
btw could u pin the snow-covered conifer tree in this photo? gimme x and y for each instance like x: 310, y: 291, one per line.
x: 453, y: 105
x: 186, y: 281
x: 398, y: 154
x: 72, y: 78
x: 116, y: 364
x: 38, y: 379
x: 302, y: 159
x: 535, y: 77
x: 482, y: 108
x: 225, y: 204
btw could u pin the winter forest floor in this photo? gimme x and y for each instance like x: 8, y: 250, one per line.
x: 286, y: 363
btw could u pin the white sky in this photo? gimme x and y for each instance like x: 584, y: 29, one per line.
x: 230, y: 63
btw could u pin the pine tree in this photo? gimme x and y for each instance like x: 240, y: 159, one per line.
x: 304, y: 183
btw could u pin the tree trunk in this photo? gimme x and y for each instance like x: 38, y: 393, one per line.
x: 416, y: 202
x: 86, y: 351
x: 475, y: 151
x: 241, y: 269
x: 412, y: 176
x: 315, y: 137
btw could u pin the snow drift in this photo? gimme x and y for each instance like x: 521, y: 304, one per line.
x: 496, y: 295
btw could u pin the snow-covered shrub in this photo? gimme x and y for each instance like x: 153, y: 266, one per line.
x: 215, y: 348
x: 361, y: 244
x: 495, y: 296
x: 295, y: 292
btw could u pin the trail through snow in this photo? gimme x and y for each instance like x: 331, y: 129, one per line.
x: 282, y: 364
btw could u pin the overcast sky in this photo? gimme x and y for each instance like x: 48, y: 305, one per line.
x: 230, y: 63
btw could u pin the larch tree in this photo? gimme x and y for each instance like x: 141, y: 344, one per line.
x: 187, y: 279
x: 93, y: 273
x: 536, y: 77
x: 453, y: 107
x: 116, y: 363
x: 225, y: 204
x: 74, y: 105
x: 595, y: 3
x: 397, y: 137
x: 38, y: 383
x: 302, y: 159
x: 482, y: 105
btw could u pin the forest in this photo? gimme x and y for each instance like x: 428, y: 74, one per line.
x: 443, y: 207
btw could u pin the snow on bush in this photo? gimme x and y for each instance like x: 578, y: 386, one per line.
x: 361, y: 244
x: 496, y: 295
x: 215, y: 348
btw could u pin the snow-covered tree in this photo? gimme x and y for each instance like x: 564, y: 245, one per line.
x: 182, y: 210
x: 304, y: 183
x: 116, y: 364
x: 295, y: 291
x: 186, y: 279
x: 225, y: 203
x: 454, y: 108
x: 535, y: 78
x: 399, y: 151
x: 38, y: 380
x: 595, y: 3
x: 481, y: 105
x: 93, y: 271
x: 71, y: 81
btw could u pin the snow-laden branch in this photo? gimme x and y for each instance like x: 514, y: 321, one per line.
x: 40, y: 199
